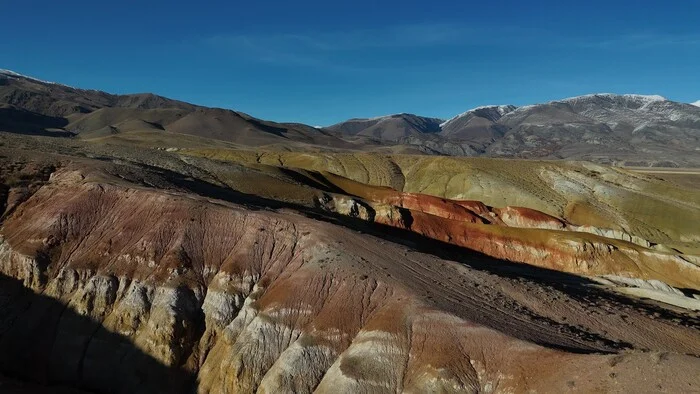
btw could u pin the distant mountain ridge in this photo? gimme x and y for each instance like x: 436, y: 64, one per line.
x: 605, y: 127
x: 390, y: 127
x: 632, y: 129
x: 31, y: 104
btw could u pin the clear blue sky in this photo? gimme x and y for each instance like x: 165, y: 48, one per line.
x: 320, y: 62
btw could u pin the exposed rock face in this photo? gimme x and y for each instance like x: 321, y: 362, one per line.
x: 528, y: 218
x: 345, y: 205
x: 523, y: 235
x: 145, y: 290
x: 580, y: 193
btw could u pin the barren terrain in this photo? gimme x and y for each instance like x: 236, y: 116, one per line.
x: 267, y: 273
x: 167, y: 248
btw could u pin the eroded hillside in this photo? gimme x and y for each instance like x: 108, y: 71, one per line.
x: 581, y: 193
x: 145, y: 270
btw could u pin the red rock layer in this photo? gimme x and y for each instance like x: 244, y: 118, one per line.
x: 523, y: 235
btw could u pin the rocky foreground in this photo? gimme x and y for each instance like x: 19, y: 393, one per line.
x: 116, y: 276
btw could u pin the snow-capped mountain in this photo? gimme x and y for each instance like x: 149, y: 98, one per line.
x: 12, y: 74
x: 478, y: 124
x: 635, y: 128
x: 15, y: 75
x: 697, y: 103
x: 490, y: 112
x: 610, y: 128
x: 633, y: 98
x: 640, y: 129
x: 617, y: 111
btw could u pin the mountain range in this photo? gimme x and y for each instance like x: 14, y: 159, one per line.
x: 627, y: 129
x: 609, y: 128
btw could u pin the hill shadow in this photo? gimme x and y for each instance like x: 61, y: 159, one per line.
x: 20, y: 121
x: 577, y: 287
x: 47, y: 343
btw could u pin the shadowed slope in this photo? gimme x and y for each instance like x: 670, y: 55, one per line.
x: 47, y: 340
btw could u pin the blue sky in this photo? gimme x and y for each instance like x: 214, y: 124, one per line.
x: 321, y: 62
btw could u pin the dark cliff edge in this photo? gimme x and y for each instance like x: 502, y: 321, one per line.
x: 44, y: 342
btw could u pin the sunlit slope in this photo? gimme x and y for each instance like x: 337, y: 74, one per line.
x: 581, y: 193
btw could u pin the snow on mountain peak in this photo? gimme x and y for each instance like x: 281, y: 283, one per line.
x: 653, y: 97
x: 382, y: 117
x: 500, y: 109
x: 9, y: 72
x: 637, y: 97
x: 697, y: 103
x: 13, y: 74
